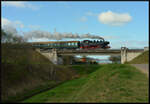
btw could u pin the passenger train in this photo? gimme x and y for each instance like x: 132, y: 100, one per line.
x: 85, y: 44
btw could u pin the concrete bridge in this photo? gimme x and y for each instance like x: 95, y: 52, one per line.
x: 125, y: 53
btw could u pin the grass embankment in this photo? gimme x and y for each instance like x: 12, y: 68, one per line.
x: 26, y: 72
x: 100, y: 83
x: 141, y: 59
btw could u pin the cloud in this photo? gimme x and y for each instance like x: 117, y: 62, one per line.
x: 18, y: 4
x: 115, y: 19
x: 17, y: 24
x: 83, y: 19
x: 6, y: 22
x: 10, y: 26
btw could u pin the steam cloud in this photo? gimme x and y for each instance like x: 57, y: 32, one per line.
x: 38, y: 34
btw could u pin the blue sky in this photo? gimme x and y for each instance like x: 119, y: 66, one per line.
x: 121, y: 23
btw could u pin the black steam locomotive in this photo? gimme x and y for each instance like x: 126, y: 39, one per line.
x: 85, y: 44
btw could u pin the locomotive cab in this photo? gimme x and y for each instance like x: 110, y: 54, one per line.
x: 86, y: 41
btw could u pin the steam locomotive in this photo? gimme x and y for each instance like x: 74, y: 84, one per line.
x: 85, y: 44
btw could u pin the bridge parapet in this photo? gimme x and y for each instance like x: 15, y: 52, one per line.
x: 87, y: 52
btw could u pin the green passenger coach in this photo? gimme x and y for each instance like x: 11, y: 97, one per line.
x: 56, y: 45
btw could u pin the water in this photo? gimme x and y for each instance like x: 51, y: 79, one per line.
x: 107, y: 62
x: 104, y: 61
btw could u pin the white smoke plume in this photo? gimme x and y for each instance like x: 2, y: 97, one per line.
x: 37, y: 34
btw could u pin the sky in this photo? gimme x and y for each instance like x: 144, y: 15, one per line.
x: 120, y: 23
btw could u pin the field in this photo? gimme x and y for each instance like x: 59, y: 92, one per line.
x: 99, y: 83
x: 27, y: 76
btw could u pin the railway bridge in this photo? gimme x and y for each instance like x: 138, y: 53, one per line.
x: 125, y: 53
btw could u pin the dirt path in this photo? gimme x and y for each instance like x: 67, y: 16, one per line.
x: 143, y: 67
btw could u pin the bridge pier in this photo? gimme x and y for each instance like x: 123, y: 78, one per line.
x: 123, y: 55
x: 52, y: 55
x: 128, y: 55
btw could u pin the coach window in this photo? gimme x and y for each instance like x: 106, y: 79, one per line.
x: 76, y: 44
x: 68, y: 44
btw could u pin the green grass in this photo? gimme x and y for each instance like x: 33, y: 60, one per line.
x: 141, y: 59
x: 104, y: 83
x: 82, y: 70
